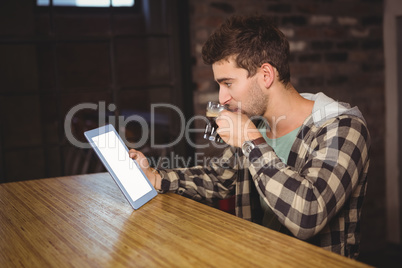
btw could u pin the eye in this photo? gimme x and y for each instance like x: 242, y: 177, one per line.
x: 228, y: 84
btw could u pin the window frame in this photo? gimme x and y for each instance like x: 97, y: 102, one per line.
x: 136, y: 8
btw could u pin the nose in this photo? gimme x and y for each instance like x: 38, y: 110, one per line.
x: 224, y: 95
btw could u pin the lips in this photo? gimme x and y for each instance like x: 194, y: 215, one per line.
x: 234, y: 109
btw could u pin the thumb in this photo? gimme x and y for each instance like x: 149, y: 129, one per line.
x: 140, y: 158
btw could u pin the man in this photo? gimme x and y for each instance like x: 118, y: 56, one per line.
x: 302, y: 169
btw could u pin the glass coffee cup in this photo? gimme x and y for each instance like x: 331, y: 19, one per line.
x: 212, y: 112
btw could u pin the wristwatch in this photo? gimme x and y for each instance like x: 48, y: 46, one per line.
x: 248, y: 146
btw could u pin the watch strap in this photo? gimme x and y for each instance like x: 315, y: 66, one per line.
x: 258, y: 141
x: 250, y: 145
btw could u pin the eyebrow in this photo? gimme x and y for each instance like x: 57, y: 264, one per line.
x: 223, y: 79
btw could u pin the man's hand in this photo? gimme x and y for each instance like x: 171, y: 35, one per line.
x: 236, y: 128
x: 153, y: 176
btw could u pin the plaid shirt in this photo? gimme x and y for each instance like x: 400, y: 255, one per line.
x: 317, y: 196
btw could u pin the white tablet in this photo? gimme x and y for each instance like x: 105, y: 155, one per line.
x: 125, y: 171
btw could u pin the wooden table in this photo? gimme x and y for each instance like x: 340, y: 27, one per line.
x: 85, y: 221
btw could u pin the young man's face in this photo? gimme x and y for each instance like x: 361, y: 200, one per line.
x: 237, y: 90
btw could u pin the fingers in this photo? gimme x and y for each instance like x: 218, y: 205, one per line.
x: 137, y: 155
x: 134, y: 154
x: 224, y: 116
x: 140, y: 158
x: 225, y: 113
x: 235, y: 127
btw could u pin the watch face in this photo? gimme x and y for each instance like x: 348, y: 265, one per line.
x: 247, y: 147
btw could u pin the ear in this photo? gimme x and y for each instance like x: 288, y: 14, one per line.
x: 268, y: 72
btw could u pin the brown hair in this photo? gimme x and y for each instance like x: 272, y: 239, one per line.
x: 253, y: 40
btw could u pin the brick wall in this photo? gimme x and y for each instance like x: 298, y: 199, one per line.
x: 336, y: 48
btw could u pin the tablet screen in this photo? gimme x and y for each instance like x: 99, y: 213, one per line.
x: 123, y: 166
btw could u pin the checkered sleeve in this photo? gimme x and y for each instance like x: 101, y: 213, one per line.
x: 306, y: 198
x: 215, y: 180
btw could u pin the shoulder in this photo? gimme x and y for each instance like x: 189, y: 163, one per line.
x: 346, y: 125
x: 347, y: 133
x: 341, y: 122
x: 336, y: 129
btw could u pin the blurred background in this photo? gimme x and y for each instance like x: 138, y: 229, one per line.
x: 56, y: 55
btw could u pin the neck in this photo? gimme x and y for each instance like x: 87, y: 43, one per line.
x: 286, y: 111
